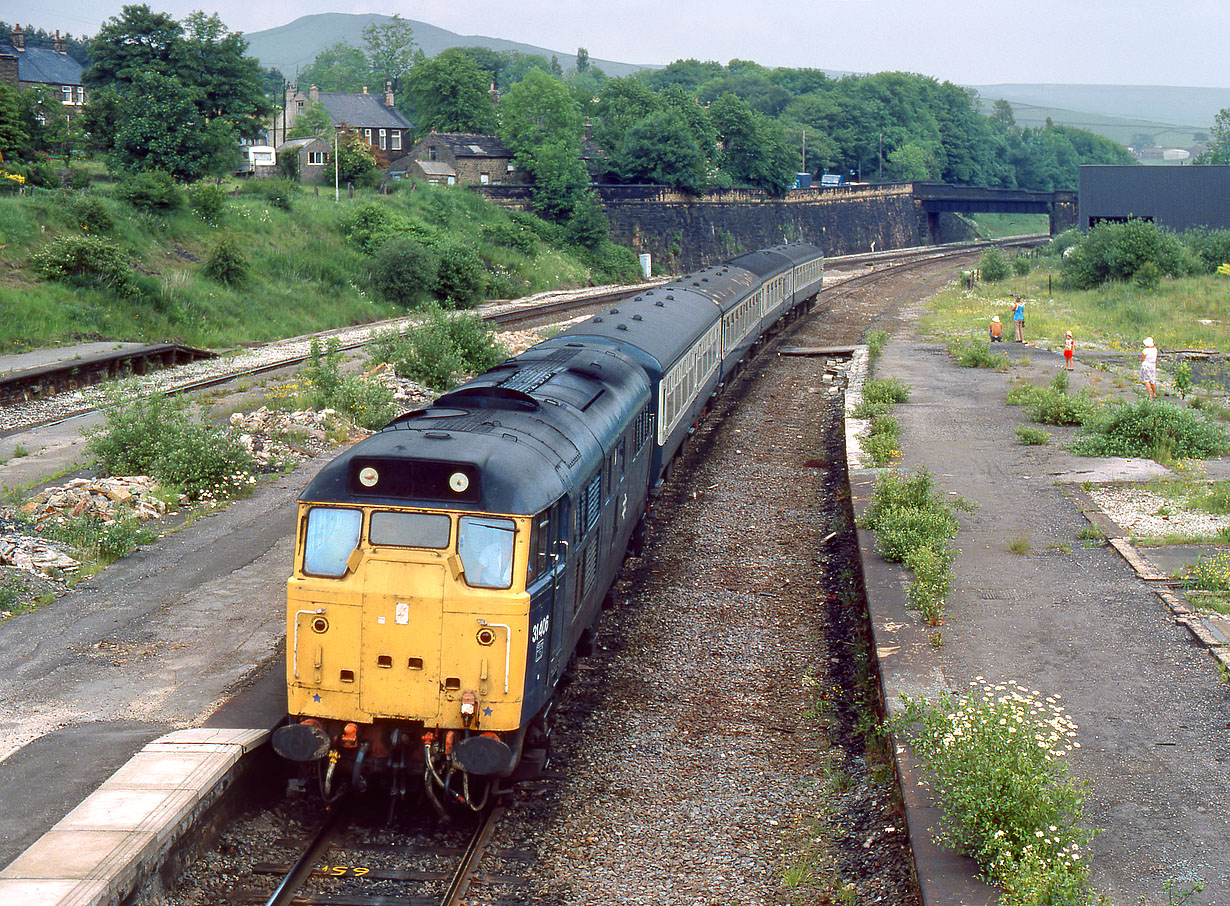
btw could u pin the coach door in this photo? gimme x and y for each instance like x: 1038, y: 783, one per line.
x: 546, y: 572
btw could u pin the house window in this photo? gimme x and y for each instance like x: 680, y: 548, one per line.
x: 451, y: 180
x: 298, y: 105
x: 80, y: 95
x: 66, y: 94
x: 316, y: 158
x: 367, y: 136
x: 483, y: 179
x: 431, y: 153
x: 384, y: 142
x: 395, y: 139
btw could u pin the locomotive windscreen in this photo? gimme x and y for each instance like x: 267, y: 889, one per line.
x: 414, y: 479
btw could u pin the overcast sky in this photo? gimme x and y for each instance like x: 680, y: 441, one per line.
x: 971, y: 42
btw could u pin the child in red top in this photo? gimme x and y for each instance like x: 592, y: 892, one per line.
x: 1069, y: 347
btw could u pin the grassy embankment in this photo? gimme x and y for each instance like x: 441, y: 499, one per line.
x: 302, y: 273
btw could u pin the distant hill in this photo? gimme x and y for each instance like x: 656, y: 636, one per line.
x: 1156, y: 103
x: 291, y: 47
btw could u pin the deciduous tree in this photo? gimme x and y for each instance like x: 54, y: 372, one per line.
x: 449, y: 93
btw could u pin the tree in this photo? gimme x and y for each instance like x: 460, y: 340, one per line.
x: 314, y: 120
x: 1218, y: 151
x: 206, y: 67
x: 160, y: 127
x: 14, y: 136
x: 660, y: 149
x: 539, y: 110
x: 390, y: 48
x: 339, y: 67
x: 582, y: 59
x: 1001, y: 112
x: 356, y: 161
x: 449, y: 93
x: 754, y: 147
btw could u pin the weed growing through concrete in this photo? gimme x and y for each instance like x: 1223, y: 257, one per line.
x: 1030, y: 436
x: 976, y: 354
x: 995, y: 757
x: 1019, y: 546
x: 913, y: 526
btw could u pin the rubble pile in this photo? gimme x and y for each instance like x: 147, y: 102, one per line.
x: 274, y: 437
x: 106, y: 498
x: 35, y: 555
x: 406, y: 393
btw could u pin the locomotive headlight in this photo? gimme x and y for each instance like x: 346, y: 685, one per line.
x: 486, y: 636
x: 459, y: 481
x: 368, y: 477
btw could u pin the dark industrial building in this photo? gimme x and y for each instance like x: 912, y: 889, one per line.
x: 1177, y: 198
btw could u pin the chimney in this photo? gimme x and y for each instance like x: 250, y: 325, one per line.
x: 494, y: 94
x: 388, y: 93
x: 314, y: 94
x: 588, y: 130
x: 58, y: 43
x: 17, y: 38
x: 365, y: 89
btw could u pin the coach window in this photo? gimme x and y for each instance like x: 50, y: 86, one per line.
x: 485, y: 545
x: 332, y: 534
x: 541, y: 538
x: 409, y: 529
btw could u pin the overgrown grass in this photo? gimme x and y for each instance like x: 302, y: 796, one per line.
x: 1183, y: 313
x: 883, y: 441
x: 298, y: 273
x: 99, y: 542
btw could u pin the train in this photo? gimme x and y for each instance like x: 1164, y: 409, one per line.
x: 451, y: 567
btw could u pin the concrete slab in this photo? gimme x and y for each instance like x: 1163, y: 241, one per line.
x: 1102, y: 471
x: 78, y: 854
x: 39, y: 358
x: 1172, y: 559
x: 30, y: 892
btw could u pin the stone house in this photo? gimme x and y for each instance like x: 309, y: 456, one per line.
x: 38, y: 67
x: 458, y: 158
x: 381, y: 126
x: 314, y: 157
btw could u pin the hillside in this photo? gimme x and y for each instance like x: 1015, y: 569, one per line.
x: 291, y: 47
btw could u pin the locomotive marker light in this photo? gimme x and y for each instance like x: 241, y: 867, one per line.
x: 468, y: 706
x: 459, y: 481
x: 507, y: 645
x: 368, y: 477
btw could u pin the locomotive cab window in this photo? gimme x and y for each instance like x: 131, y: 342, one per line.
x: 410, y: 529
x: 332, y: 534
x: 485, y: 545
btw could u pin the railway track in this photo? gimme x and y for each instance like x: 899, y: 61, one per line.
x: 345, y: 864
x: 32, y: 412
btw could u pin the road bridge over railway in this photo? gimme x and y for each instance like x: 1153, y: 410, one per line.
x: 935, y: 199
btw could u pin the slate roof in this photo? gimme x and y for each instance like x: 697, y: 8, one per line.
x: 469, y: 144
x: 435, y: 168
x: 39, y: 64
x: 362, y: 111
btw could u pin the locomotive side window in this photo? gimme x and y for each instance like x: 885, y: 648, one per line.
x: 331, y: 536
x: 410, y: 529
x: 540, y: 546
x: 485, y: 545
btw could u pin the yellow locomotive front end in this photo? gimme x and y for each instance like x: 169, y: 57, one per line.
x: 408, y: 643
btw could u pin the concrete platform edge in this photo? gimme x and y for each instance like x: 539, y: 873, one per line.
x: 118, y: 836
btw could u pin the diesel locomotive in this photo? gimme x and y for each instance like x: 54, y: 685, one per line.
x: 449, y: 568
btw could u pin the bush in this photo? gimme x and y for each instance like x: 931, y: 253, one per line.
x: 460, y: 277
x: 993, y: 266
x: 1152, y: 429
x: 154, y: 436
x: 104, y: 542
x: 227, y: 262
x: 976, y: 354
x: 440, y: 350
x: 368, y: 404
x: 886, y: 390
x: 513, y: 235
x: 152, y: 191
x: 370, y: 225
x: 994, y: 758
x: 1211, y: 248
x: 208, y: 200
x: 1121, y: 251
x: 1021, y: 266
x: 278, y: 192
x: 85, y: 261
x: 876, y: 341
x: 1029, y: 436
x: 1049, y: 406
x: 404, y: 271
x: 90, y: 214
